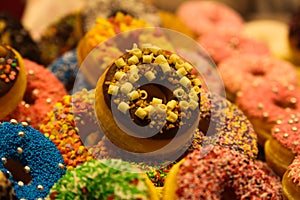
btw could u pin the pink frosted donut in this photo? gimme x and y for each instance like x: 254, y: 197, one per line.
x: 238, y: 72
x: 209, y: 16
x: 222, y: 45
x: 266, y: 103
x: 211, y: 177
x: 42, y: 91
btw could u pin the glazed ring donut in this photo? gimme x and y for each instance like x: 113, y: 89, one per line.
x: 12, y: 80
x: 69, y: 124
x: 267, y: 102
x: 148, y: 98
x: 224, y: 45
x: 33, y: 161
x: 7, y: 191
x: 239, y: 72
x: 104, y: 179
x: 281, y: 149
x: 291, y: 181
x: 209, y: 177
x: 209, y: 16
x: 42, y: 91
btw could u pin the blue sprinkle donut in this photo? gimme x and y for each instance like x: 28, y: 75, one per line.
x: 37, y: 156
x: 65, y: 68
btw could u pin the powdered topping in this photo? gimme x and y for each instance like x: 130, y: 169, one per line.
x: 222, y: 168
x: 294, y: 171
x: 98, y: 180
x: 155, y: 87
x: 9, y: 69
x: 270, y: 102
x: 286, y: 131
x: 60, y: 126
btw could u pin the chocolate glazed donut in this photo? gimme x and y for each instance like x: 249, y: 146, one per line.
x: 147, y: 99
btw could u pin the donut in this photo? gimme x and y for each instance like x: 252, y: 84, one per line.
x: 155, y: 111
x: 60, y: 36
x: 42, y: 91
x: 33, y: 162
x: 268, y: 31
x: 107, y: 8
x: 265, y: 103
x: 104, y: 29
x: 7, y: 190
x: 290, y: 181
x: 104, y: 179
x: 294, y: 36
x: 167, y: 21
x: 13, y: 33
x: 69, y: 124
x: 12, y: 79
x: 221, y: 45
x: 209, y: 16
x: 221, y: 173
x: 246, y: 69
x: 280, y: 150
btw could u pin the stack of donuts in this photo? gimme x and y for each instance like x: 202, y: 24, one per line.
x: 144, y: 123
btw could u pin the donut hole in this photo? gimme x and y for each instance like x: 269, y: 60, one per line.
x: 228, y: 193
x: 284, y: 103
x: 17, y: 170
x: 30, y: 96
x: 258, y: 72
x: 115, y: 12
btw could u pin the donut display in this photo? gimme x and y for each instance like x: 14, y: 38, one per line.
x: 281, y: 149
x: 42, y: 91
x: 290, y: 181
x: 156, y: 82
x: 222, y: 173
x: 254, y: 69
x: 106, y: 179
x: 209, y: 16
x: 12, y: 79
x: 32, y: 161
x: 7, y: 191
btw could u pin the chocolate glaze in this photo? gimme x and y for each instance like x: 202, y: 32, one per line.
x: 163, y: 91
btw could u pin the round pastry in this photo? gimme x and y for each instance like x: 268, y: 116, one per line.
x: 290, y: 181
x: 294, y: 36
x: 31, y: 160
x: 105, y: 29
x: 105, y: 179
x: 69, y: 124
x: 148, y: 97
x: 60, y: 37
x: 107, y: 8
x: 221, y: 174
x: 14, y: 34
x: 209, y: 16
x: 222, y: 45
x: 267, y: 102
x: 248, y: 69
x: 268, y: 31
x: 167, y: 21
x: 7, y: 191
x: 281, y: 149
x: 42, y: 91
x: 12, y: 79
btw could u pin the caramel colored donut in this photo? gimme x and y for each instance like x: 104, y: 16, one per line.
x: 209, y: 16
x: 248, y: 69
x: 291, y: 181
x: 221, y: 174
x: 7, y: 191
x: 222, y: 45
x: 266, y: 103
x: 148, y: 98
x: 104, y: 179
x: 12, y: 80
x: 42, y: 91
x: 281, y: 149
x: 31, y: 160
